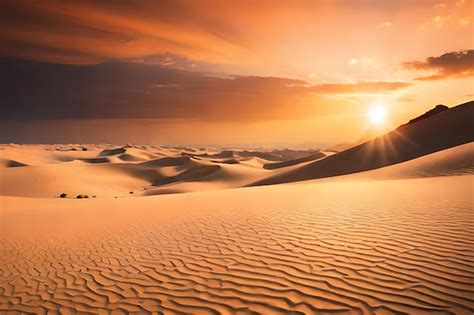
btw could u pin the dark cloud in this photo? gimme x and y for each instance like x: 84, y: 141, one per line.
x: 35, y: 90
x: 450, y: 65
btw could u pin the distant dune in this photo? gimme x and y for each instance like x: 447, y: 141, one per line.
x: 442, y: 130
x: 98, y: 171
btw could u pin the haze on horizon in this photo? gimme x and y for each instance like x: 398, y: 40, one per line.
x: 184, y: 72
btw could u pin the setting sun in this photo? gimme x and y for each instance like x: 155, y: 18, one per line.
x: 377, y: 115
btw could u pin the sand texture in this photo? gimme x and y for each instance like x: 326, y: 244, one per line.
x: 387, y: 247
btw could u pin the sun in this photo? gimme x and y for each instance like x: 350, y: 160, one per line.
x: 377, y: 115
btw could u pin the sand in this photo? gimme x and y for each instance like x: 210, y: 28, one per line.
x: 173, y: 230
x: 388, y: 246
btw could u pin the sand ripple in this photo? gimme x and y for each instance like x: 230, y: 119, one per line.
x: 405, y: 253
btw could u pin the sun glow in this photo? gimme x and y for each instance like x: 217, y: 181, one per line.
x: 377, y: 115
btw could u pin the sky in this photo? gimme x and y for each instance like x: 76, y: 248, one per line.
x: 247, y: 72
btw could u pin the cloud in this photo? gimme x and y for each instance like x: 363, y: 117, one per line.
x: 35, y: 90
x: 227, y: 33
x: 138, y: 90
x: 90, y: 32
x: 449, y: 65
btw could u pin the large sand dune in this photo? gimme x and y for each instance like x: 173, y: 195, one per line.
x: 371, y: 247
x: 441, y: 131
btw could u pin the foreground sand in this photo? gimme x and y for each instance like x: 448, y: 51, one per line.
x: 384, y: 247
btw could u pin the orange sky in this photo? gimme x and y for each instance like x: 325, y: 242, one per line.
x: 205, y: 71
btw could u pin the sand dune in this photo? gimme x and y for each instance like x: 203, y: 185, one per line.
x: 168, y: 161
x: 73, y: 178
x: 108, y: 171
x: 273, y: 155
x: 387, y: 247
x: 51, y: 172
x: 339, y: 147
x: 456, y: 161
x: 291, y: 154
x: 11, y: 163
x: 443, y: 130
x: 312, y: 157
x: 450, y: 162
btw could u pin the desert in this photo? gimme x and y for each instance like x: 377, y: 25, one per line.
x: 247, y: 157
x: 174, y: 230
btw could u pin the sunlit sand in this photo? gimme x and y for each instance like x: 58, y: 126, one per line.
x: 383, y: 246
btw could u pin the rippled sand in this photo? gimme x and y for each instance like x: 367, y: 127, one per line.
x: 375, y: 247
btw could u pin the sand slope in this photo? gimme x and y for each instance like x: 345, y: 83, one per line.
x: 371, y: 247
x: 444, y: 130
x: 458, y: 160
